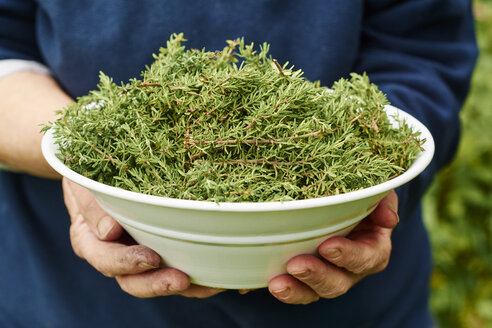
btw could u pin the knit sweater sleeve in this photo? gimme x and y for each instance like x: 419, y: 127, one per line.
x: 17, y: 35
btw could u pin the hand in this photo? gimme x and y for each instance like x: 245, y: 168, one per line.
x: 344, y: 261
x: 99, y: 239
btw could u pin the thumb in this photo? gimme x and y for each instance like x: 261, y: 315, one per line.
x: 80, y: 201
x: 386, y: 213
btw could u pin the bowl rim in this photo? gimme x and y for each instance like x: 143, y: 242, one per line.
x: 50, y: 150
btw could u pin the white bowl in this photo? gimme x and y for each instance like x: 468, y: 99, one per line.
x: 238, y: 245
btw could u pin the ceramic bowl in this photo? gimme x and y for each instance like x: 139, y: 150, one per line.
x: 238, y: 245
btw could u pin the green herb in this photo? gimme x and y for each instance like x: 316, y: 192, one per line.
x: 233, y: 125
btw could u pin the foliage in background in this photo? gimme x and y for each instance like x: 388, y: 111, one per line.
x: 458, y: 207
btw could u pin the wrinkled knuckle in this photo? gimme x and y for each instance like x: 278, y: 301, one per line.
x: 339, y: 290
x: 383, y: 265
x: 388, y: 252
x: 384, y: 260
x: 335, y: 289
x: 75, y: 239
x: 74, y: 231
x: 364, y: 267
x: 326, y: 291
x: 354, y: 260
x: 317, y: 282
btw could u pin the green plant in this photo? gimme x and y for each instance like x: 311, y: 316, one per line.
x: 227, y: 126
x: 458, y: 207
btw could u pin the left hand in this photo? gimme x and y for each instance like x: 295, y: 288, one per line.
x: 102, y: 242
x: 344, y: 260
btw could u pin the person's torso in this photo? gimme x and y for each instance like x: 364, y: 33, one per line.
x: 43, y: 284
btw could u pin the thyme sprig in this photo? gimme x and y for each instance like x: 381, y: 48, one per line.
x: 233, y: 125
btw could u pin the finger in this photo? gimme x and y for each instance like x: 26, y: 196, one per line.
x: 82, y: 200
x: 289, y: 290
x: 386, y: 213
x: 201, y: 291
x: 162, y: 282
x: 364, y: 252
x: 245, y: 291
x: 79, y: 200
x: 110, y: 258
x: 326, y: 280
x: 69, y: 198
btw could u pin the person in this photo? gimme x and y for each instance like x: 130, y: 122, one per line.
x: 421, y: 53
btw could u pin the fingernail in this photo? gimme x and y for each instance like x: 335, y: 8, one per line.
x: 146, y: 266
x: 332, y: 253
x: 301, y: 274
x: 104, y: 227
x: 282, y: 293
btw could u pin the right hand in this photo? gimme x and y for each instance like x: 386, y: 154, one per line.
x: 101, y: 241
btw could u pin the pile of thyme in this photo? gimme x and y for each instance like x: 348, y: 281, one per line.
x: 233, y: 125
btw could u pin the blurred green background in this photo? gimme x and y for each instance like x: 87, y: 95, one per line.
x: 458, y: 207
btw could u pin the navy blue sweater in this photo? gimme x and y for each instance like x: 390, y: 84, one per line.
x: 420, y: 52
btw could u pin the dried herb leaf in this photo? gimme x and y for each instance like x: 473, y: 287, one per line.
x: 233, y: 125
